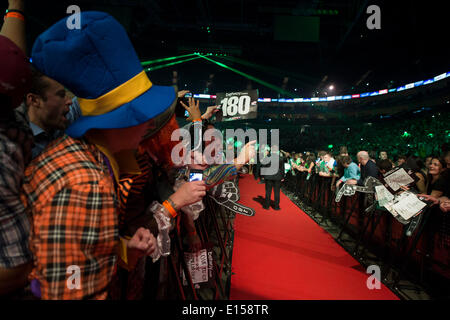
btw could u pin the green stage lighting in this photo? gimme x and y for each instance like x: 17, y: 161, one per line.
x: 274, y: 71
x: 170, y: 64
x: 262, y: 82
x: 149, y: 62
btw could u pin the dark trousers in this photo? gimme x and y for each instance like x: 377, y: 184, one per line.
x: 276, y: 185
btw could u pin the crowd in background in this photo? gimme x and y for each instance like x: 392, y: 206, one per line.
x: 86, y: 176
x: 432, y: 172
x: 420, y: 137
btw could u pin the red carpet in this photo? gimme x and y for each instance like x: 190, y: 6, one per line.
x: 285, y: 255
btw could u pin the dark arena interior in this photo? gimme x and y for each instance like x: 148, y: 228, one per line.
x: 341, y: 107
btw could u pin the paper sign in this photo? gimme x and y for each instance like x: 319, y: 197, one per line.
x: 383, y: 195
x: 197, y: 264
x: 397, y: 178
x: 238, y: 105
x: 407, y: 205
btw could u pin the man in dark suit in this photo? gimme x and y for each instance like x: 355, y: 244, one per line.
x: 368, y: 167
x: 263, y: 152
x: 274, y: 180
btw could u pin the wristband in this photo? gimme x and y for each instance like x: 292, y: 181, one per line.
x: 14, y: 14
x: 173, y: 204
x: 195, y: 120
x: 169, y: 208
x: 15, y: 10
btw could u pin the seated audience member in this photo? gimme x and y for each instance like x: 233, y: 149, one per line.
x: 427, y: 163
x: 343, y: 151
x: 401, y: 160
x: 438, y: 178
x: 351, y: 173
x: 416, y: 164
x: 384, y: 166
x: 383, y: 155
x: 15, y: 152
x: 368, y: 168
x: 373, y: 156
x: 447, y: 159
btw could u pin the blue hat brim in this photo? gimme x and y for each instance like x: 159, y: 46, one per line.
x: 148, y: 105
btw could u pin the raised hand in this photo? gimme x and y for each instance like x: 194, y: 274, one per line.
x: 193, y: 109
x: 210, y: 112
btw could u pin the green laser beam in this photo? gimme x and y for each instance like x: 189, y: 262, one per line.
x: 146, y: 63
x: 169, y: 64
x: 262, y: 82
x: 271, y: 70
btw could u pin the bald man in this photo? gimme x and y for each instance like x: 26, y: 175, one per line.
x: 368, y: 168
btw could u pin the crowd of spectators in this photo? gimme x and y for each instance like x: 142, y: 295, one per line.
x: 86, y: 173
x: 420, y: 136
x: 431, y: 173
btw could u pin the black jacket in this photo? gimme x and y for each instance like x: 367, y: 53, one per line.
x: 279, y: 175
x: 369, y: 170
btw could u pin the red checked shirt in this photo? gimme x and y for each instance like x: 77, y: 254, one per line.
x: 70, y: 195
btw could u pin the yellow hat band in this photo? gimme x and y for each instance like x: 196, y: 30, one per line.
x: 117, y: 97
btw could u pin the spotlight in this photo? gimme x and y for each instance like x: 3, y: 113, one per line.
x: 331, y: 87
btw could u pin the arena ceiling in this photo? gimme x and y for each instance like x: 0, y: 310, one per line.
x: 301, y: 46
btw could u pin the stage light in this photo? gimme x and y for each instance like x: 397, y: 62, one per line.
x: 330, y: 146
x: 146, y: 63
x: 250, y: 77
x: 331, y: 87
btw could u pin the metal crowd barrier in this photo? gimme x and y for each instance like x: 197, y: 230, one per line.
x: 215, y: 229
x: 423, y: 255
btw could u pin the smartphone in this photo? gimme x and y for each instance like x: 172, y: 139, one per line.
x: 196, y: 175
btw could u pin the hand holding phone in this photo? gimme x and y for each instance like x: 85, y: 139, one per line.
x: 196, y: 175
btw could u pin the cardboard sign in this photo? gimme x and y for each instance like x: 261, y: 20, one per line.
x: 200, y: 266
x: 398, y: 177
x: 237, y: 105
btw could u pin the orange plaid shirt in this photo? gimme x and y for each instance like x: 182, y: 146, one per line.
x: 70, y: 195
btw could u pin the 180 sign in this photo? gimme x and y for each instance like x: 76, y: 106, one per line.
x: 234, y: 105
